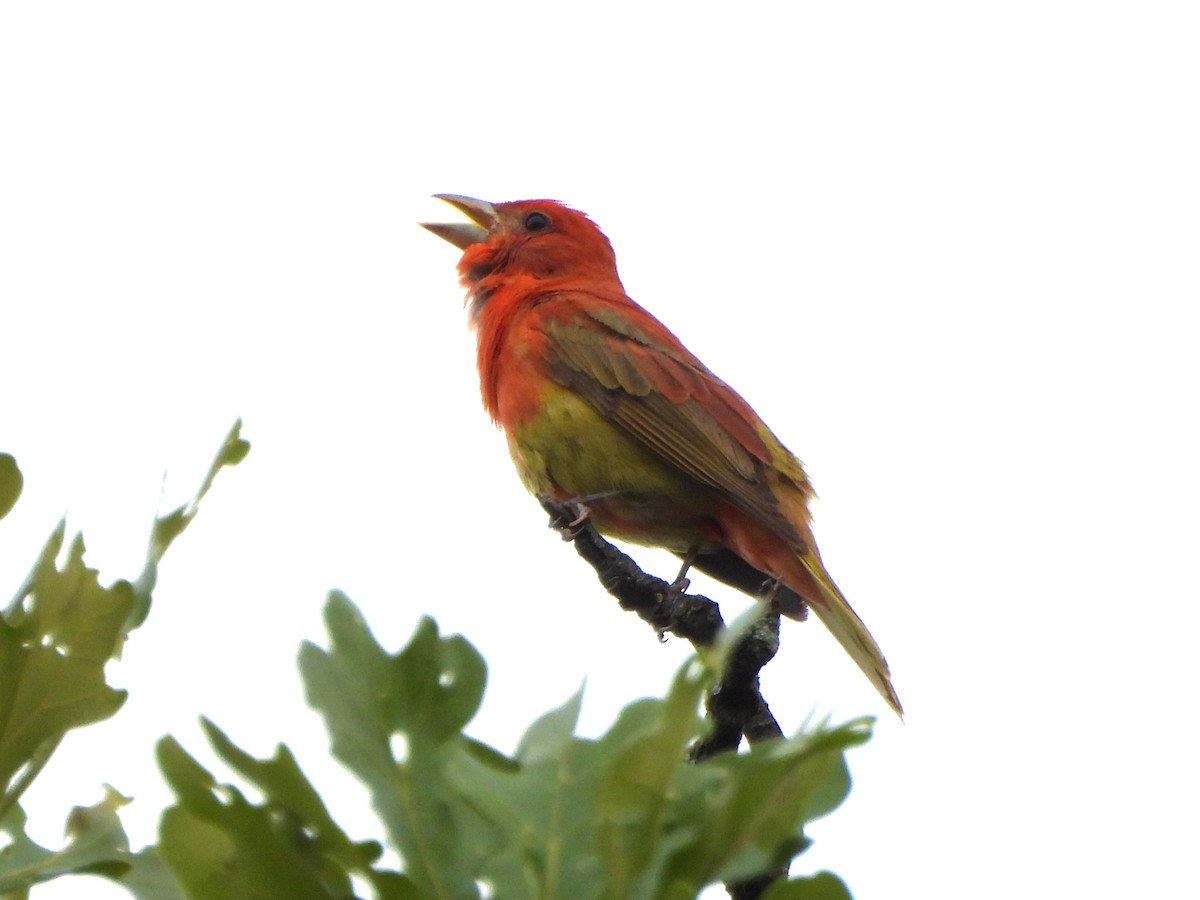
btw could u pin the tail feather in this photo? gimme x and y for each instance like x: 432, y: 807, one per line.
x: 845, y: 625
x: 797, y: 562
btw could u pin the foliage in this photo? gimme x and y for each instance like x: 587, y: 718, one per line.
x: 56, y: 636
x: 620, y: 816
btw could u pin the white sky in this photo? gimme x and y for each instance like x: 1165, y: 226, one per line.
x: 948, y: 251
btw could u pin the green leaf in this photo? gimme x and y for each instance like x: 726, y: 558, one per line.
x: 535, y: 823
x: 45, y: 694
x: 58, y: 633
x: 351, y: 686
x: 395, y: 722
x: 749, y: 809
x: 65, y: 606
x: 546, y: 737
x: 167, y: 528
x: 10, y: 483
x: 148, y: 879
x: 97, y: 846
x: 524, y: 816
x: 822, y: 886
x: 56, y: 636
x: 287, y: 789
x: 291, y: 828
x: 639, y: 778
x: 622, y: 816
x: 217, y: 844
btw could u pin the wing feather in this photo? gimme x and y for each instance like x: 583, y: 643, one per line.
x: 649, y: 385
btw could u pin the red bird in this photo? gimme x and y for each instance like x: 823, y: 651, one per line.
x: 600, y: 401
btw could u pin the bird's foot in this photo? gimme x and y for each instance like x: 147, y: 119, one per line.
x: 570, y: 517
x: 567, y: 517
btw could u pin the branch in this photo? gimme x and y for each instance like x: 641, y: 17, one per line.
x: 661, y: 605
x: 735, y: 704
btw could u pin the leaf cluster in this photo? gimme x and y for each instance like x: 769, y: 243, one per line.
x: 56, y: 635
x: 624, y: 815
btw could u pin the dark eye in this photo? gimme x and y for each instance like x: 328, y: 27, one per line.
x: 537, y: 221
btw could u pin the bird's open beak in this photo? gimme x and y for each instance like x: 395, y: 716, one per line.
x: 463, y: 234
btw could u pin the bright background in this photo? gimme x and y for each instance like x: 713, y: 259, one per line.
x: 949, y: 252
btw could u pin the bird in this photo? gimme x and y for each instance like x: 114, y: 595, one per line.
x: 601, y: 403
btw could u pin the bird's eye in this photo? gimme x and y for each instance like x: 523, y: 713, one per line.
x: 537, y: 221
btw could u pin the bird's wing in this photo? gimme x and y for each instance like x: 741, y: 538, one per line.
x: 626, y: 365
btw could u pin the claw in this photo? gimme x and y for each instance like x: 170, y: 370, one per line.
x: 577, y: 508
x: 566, y: 517
x: 571, y: 529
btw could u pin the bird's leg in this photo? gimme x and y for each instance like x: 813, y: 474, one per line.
x: 681, y: 582
x: 782, y: 599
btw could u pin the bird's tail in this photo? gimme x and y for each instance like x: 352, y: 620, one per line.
x: 845, y: 625
x: 798, y: 564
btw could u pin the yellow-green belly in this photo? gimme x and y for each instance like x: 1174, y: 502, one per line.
x: 569, y: 451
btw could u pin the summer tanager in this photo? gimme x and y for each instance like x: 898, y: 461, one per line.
x: 602, y: 404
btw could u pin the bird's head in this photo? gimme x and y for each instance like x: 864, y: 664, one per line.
x: 539, y: 239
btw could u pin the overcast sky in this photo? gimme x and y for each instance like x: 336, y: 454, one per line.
x: 948, y: 251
